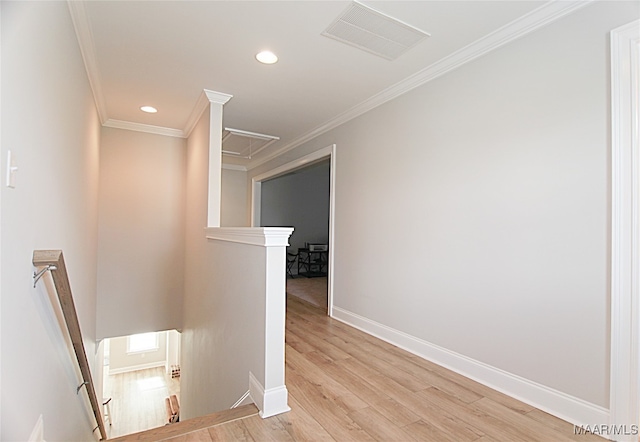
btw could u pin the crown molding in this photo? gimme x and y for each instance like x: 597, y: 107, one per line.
x: 206, y: 97
x: 545, y: 14
x: 84, y: 35
x: 217, y: 97
x: 196, y: 113
x: 204, y: 100
x: 87, y: 49
x: 542, y: 16
x: 139, y: 127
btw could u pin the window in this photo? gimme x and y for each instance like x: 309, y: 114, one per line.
x: 142, y: 342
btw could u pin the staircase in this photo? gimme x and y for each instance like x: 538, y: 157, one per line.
x: 190, y: 425
x: 53, y: 261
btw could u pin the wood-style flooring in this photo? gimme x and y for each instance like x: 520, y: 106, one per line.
x: 312, y: 290
x: 137, y: 400
x: 346, y: 385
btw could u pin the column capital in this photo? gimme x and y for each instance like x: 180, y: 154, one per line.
x: 217, y: 97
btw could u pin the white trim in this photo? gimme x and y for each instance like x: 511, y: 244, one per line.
x: 147, y: 128
x: 537, y: 18
x: 256, y: 197
x: 255, y: 236
x: 530, y: 22
x: 625, y: 240
x: 296, y: 164
x: 270, y: 402
x: 204, y: 100
x: 87, y: 49
x: 198, y: 109
x: 526, y: 24
x: 564, y: 406
x: 237, y: 167
x: 217, y: 97
x: 137, y: 367
x: 214, y: 194
x: 1, y: 155
x: 37, y: 434
x: 332, y: 230
x: 246, y: 395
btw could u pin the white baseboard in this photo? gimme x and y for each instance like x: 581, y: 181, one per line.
x: 136, y: 367
x: 270, y: 402
x: 574, y: 410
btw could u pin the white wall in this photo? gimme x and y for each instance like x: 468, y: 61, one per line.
x: 50, y: 122
x: 299, y: 200
x: 472, y: 213
x: 234, y: 211
x: 121, y: 361
x: 141, y: 232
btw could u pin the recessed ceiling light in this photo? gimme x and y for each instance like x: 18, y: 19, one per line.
x: 267, y: 57
x: 149, y: 109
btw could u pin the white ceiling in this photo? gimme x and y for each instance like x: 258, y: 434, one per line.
x: 165, y: 53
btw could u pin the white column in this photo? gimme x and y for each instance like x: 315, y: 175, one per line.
x: 216, y: 102
x: 275, y: 396
x: 625, y: 224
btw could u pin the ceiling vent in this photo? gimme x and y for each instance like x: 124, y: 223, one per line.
x: 374, y: 32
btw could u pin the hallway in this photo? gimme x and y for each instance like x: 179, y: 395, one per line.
x: 346, y: 385
x: 312, y: 290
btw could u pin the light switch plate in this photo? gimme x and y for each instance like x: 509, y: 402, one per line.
x: 12, y: 169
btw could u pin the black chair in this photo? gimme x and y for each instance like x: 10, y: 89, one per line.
x: 291, y: 261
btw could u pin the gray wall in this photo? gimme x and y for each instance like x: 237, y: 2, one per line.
x: 233, y: 199
x: 195, y: 335
x: 299, y: 200
x: 472, y: 212
x: 50, y: 122
x: 141, y: 232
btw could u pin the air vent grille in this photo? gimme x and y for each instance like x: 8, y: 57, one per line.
x: 374, y: 32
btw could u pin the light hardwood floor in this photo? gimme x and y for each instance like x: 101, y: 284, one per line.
x: 137, y: 400
x: 312, y: 290
x: 346, y: 385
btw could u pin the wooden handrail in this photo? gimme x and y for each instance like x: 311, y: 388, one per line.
x: 54, y: 259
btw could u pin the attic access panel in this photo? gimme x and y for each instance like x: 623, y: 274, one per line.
x: 244, y: 144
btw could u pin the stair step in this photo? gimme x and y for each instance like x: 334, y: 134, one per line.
x: 190, y: 425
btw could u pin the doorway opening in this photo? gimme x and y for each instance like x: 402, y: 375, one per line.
x: 301, y: 194
x: 140, y: 373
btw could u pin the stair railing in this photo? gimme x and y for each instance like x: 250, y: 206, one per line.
x: 53, y: 261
